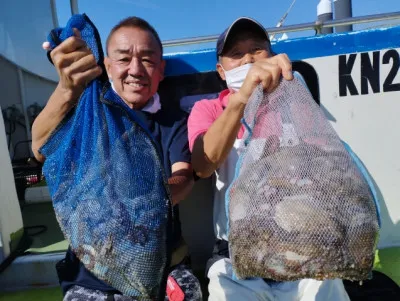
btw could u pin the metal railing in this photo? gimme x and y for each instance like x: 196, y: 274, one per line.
x: 317, y: 26
x: 74, y: 7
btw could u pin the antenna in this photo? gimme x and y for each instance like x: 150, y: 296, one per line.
x: 280, y: 23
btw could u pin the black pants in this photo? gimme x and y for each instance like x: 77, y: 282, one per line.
x: 379, y: 288
x: 181, y: 273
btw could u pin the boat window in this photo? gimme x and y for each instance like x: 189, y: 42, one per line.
x: 310, y: 77
x: 183, y: 91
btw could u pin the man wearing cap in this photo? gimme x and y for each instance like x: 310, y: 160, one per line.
x: 245, y: 59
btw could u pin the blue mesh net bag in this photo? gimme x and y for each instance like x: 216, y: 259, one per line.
x: 301, y: 204
x: 107, y: 183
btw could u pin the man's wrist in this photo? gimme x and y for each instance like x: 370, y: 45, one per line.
x: 236, y: 102
x: 66, y: 97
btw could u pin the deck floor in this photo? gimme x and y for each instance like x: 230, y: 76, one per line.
x: 51, y: 239
x: 42, y: 294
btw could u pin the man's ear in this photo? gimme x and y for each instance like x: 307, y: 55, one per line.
x: 221, y: 71
x: 162, y: 69
x: 107, y: 64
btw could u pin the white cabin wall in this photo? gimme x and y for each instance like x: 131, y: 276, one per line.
x: 9, y: 86
x: 10, y: 213
x: 11, y: 95
x: 370, y: 124
x: 38, y: 89
x: 35, y: 90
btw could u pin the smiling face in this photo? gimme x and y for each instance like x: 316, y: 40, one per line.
x: 135, y: 65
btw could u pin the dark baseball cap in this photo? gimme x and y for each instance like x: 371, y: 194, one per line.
x: 242, y: 23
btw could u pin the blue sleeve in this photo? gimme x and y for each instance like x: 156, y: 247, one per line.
x: 179, y: 146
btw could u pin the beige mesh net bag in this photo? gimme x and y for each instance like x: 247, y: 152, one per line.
x: 300, y: 205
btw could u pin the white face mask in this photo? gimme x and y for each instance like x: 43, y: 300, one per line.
x: 235, y: 77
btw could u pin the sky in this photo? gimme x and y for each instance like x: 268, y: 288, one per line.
x: 177, y: 19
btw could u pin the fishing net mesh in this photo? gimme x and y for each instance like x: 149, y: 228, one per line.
x: 108, y: 187
x: 299, y: 206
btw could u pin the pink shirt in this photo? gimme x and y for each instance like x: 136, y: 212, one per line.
x: 203, y: 115
x: 206, y: 111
